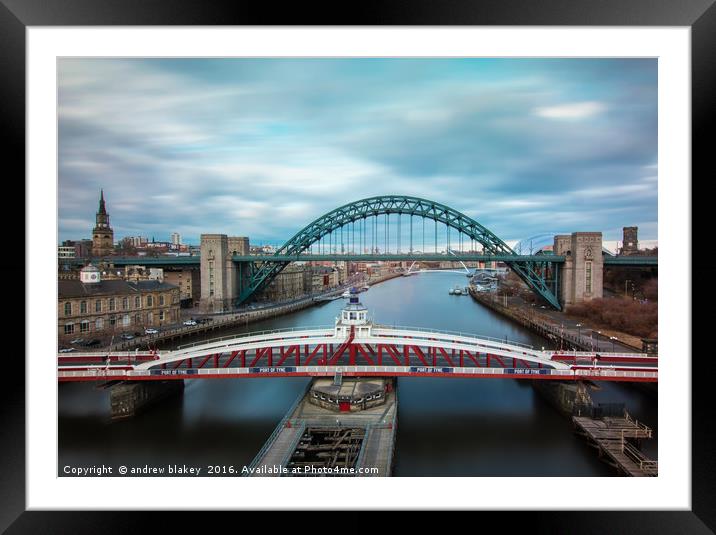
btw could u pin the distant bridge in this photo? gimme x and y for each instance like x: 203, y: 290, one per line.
x: 179, y: 261
x: 378, y: 351
x: 360, y: 231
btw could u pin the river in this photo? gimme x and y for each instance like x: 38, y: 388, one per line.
x: 446, y: 426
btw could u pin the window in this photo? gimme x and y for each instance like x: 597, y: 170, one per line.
x: 125, y: 303
x: 83, y: 307
x: 125, y: 320
x: 588, y: 277
x: 84, y: 326
x: 161, y: 315
x: 137, y: 302
x: 99, y: 324
x: 161, y: 300
x: 149, y: 300
x: 112, y: 321
x: 150, y: 318
x: 68, y: 309
x: 98, y: 306
x: 112, y: 303
x: 138, y: 319
x: 69, y: 328
x: 353, y: 315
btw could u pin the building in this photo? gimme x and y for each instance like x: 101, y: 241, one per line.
x: 323, y: 279
x: 65, y: 251
x: 290, y: 283
x: 139, y: 273
x: 176, y: 238
x: 137, y: 241
x: 102, y: 234
x: 98, y: 308
x: 189, y: 283
x: 630, y: 245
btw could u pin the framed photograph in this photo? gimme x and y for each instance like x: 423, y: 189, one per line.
x: 266, y: 235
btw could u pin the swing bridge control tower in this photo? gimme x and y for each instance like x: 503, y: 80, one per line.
x: 342, y: 426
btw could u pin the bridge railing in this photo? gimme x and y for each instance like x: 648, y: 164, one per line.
x: 377, y: 326
x: 454, y: 333
x: 255, y: 333
x: 590, y: 354
x: 442, y: 371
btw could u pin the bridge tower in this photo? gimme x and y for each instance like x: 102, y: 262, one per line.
x: 220, y: 278
x: 581, y: 276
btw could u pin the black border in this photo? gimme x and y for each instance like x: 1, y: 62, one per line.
x: 699, y: 15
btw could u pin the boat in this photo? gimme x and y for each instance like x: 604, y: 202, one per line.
x: 347, y: 293
x: 456, y: 290
x: 451, y: 291
x: 365, y: 288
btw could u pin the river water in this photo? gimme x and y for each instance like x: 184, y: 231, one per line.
x: 446, y: 426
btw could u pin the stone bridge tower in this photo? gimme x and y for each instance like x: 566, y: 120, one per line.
x: 220, y: 284
x: 582, y: 273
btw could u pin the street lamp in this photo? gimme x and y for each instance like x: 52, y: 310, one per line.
x: 579, y: 332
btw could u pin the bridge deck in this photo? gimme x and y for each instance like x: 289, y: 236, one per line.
x: 281, y: 447
x: 378, y: 445
x: 376, y: 448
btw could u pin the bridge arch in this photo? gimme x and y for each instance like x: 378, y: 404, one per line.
x: 402, y: 205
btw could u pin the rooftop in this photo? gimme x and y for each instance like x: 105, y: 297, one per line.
x: 75, y: 288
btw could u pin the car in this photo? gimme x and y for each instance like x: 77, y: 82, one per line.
x: 127, y: 336
x: 77, y: 341
x: 67, y: 349
x: 151, y: 331
x: 190, y: 322
x: 543, y: 307
x: 94, y: 342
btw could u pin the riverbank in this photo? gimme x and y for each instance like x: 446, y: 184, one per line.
x: 564, y: 332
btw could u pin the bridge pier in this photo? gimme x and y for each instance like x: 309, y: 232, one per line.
x: 131, y: 397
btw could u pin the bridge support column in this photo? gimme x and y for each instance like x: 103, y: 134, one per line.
x: 127, y: 399
x: 581, y: 277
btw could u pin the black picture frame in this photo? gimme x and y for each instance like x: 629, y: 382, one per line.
x: 699, y: 15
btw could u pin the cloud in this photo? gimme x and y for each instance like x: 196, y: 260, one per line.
x: 261, y: 147
x: 574, y: 110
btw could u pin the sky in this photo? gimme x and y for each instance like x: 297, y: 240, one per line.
x: 260, y: 147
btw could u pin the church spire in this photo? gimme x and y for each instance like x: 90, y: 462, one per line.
x: 102, y: 209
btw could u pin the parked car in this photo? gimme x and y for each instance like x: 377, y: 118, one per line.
x: 67, y: 349
x: 93, y: 342
x: 190, y: 322
x: 127, y: 336
x: 151, y: 331
x: 77, y: 341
